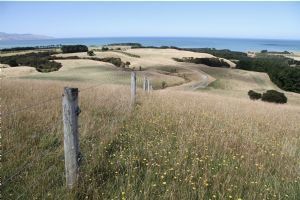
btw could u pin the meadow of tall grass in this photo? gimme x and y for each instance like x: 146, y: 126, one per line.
x: 173, y: 145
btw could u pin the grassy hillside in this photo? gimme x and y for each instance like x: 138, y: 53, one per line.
x: 160, y: 66
x: 100, y: 72
x: 236, y: 83
x: 183, y: 142
x: 174, y: 145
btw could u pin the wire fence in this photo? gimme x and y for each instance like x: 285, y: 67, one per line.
x: 124, y: 78
x: 11, y: 172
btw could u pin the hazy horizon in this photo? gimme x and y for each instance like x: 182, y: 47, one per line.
x: 236, y: 20
x: 244, y: 38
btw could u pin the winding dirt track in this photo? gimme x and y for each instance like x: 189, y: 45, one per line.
x: 153, y: 58
x: 198, y: 79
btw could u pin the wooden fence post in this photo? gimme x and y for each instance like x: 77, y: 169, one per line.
x: 133, y: 88
x: 71, y: 140
x: 148, y: 85
x: 145, y: 84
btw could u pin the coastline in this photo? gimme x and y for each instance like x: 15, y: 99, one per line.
x: 234, y: 44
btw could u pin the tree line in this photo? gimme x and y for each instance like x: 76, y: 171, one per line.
x: 278, y: 69
x: 74, y: 48
x: 42, y: 61
x: 212, y: 62
x: 29, y: 48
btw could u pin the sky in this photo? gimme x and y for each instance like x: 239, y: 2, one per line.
x: 268, y: 20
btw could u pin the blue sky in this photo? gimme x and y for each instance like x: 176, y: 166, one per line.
x: 114, y: 19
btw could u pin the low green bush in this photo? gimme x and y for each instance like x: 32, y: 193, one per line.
x: 163, y: 84
x: 91, y: 53
x: 274, y: 97
x: 12, y: 63
x: 254, y: 95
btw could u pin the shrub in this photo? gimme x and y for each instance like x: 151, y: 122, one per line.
x: 90, y: 53
x: 74, y: 48
x: 274, y: 96
x: 163, y: 84
x: 115, y: 61
x: 12, y: 63
x: 254, y: 95
x: 105, y: 49
x: 122, y: 65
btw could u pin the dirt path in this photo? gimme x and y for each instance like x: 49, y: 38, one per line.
x: 198, y: 79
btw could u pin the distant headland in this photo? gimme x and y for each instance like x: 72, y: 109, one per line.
x: 14, y: 36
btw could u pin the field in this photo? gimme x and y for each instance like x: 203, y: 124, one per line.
x: 200, y: 138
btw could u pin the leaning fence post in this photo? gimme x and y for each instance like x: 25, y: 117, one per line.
x: 133, y: 88
x: 71, y: 141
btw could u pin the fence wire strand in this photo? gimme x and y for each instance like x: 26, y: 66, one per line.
x: 48, y: 128
x: 48, y: 100
x: 29, y: 107
x: 25, y: 165
x: 45, y: 174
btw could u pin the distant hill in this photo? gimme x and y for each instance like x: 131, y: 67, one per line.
x: 13, y: 36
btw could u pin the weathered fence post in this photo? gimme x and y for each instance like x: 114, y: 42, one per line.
x: 133, y: 88
x: 145, y: 83
x: 71, y: 140
x: 149, y: 85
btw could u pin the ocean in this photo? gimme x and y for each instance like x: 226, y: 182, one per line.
x: 183, y: 42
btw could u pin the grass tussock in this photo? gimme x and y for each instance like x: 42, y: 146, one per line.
x: 174, y: 145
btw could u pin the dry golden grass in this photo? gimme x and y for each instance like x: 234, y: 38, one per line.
x: 18, y: 71
x: 150, y: 60
x: 174, y: 145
